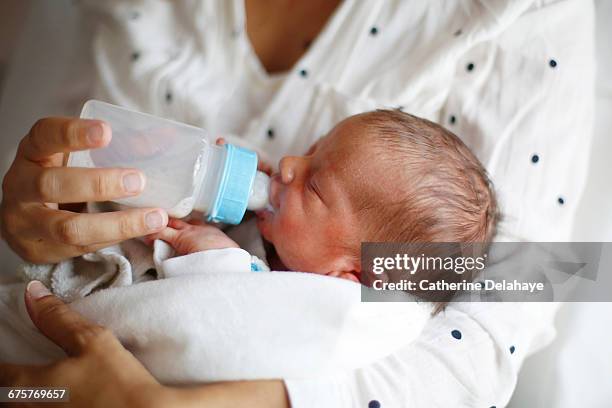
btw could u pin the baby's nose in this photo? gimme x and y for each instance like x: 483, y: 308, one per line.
x: 287, y: 168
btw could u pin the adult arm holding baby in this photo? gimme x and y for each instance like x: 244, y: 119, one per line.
x: 98, y: 365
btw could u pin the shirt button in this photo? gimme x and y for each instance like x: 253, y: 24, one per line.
x: 470, y: 67
x: 373, y: 31
x: 552, y: 63
x: 270, y: 133
x: 535, y: 158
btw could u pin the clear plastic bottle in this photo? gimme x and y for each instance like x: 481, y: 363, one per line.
x: 184, y: 170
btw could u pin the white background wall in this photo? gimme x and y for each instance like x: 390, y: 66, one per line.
x: 12, y: 17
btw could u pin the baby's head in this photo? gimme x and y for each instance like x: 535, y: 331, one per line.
x: 382, y: 176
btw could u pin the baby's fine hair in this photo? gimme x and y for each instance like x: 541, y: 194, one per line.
x: 445, y: 194
x: 441, y: 192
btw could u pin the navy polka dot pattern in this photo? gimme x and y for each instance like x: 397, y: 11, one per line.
x: 552, y: 63
x: 373, y: 31
x: 452, y: 119
x: 270, y: 133
x: 374, y: 404
x: 304, y: 73
x: 561, y: 200
x: 456, y: 334
x: 470, y: 67
x: 535, y: 158
x: 512, y: 349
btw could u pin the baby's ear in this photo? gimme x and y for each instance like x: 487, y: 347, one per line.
x: 352, y: 276
x: 345, y: 267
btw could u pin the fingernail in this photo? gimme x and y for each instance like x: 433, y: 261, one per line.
x: 154, y: 220
x: 36, y: 290
x: 132, y: 182
x: 95, y: 133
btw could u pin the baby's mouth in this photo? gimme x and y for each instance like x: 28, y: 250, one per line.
x: 263, y: 222
x: 262, y: 215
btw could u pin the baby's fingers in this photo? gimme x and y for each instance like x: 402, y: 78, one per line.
x: 177, y: 224
x: 168, y: 234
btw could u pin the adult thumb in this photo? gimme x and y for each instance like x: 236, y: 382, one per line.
x: 62, y: 325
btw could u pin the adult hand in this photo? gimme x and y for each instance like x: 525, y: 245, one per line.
x: 99, y: 372
x: 32, y: 222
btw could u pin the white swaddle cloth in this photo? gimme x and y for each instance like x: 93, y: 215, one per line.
x: 230, y: 326
x: 208, y: 318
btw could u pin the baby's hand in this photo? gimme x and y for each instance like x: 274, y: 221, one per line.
x: 187, y: 238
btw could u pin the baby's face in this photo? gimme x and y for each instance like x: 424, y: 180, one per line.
x: 313, y: 222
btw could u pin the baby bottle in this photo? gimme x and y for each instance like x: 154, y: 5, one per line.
x: 184, y: 170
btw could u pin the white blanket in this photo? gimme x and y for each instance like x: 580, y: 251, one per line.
x: 207, y: 326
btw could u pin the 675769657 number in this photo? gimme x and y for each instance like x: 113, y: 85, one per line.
x: 33, y: 394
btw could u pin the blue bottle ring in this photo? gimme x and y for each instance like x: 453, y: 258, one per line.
x: 235, y: 185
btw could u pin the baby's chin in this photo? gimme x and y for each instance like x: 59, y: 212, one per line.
x: 264, y: 224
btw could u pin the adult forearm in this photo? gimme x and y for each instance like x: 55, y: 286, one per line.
x: 252, y: 394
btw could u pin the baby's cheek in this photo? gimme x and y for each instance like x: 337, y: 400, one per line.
x: 289, y: 223
x: 330, y: 232
x: 295, y: 256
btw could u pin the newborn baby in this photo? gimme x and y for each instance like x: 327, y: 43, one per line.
x: 382, y: 176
